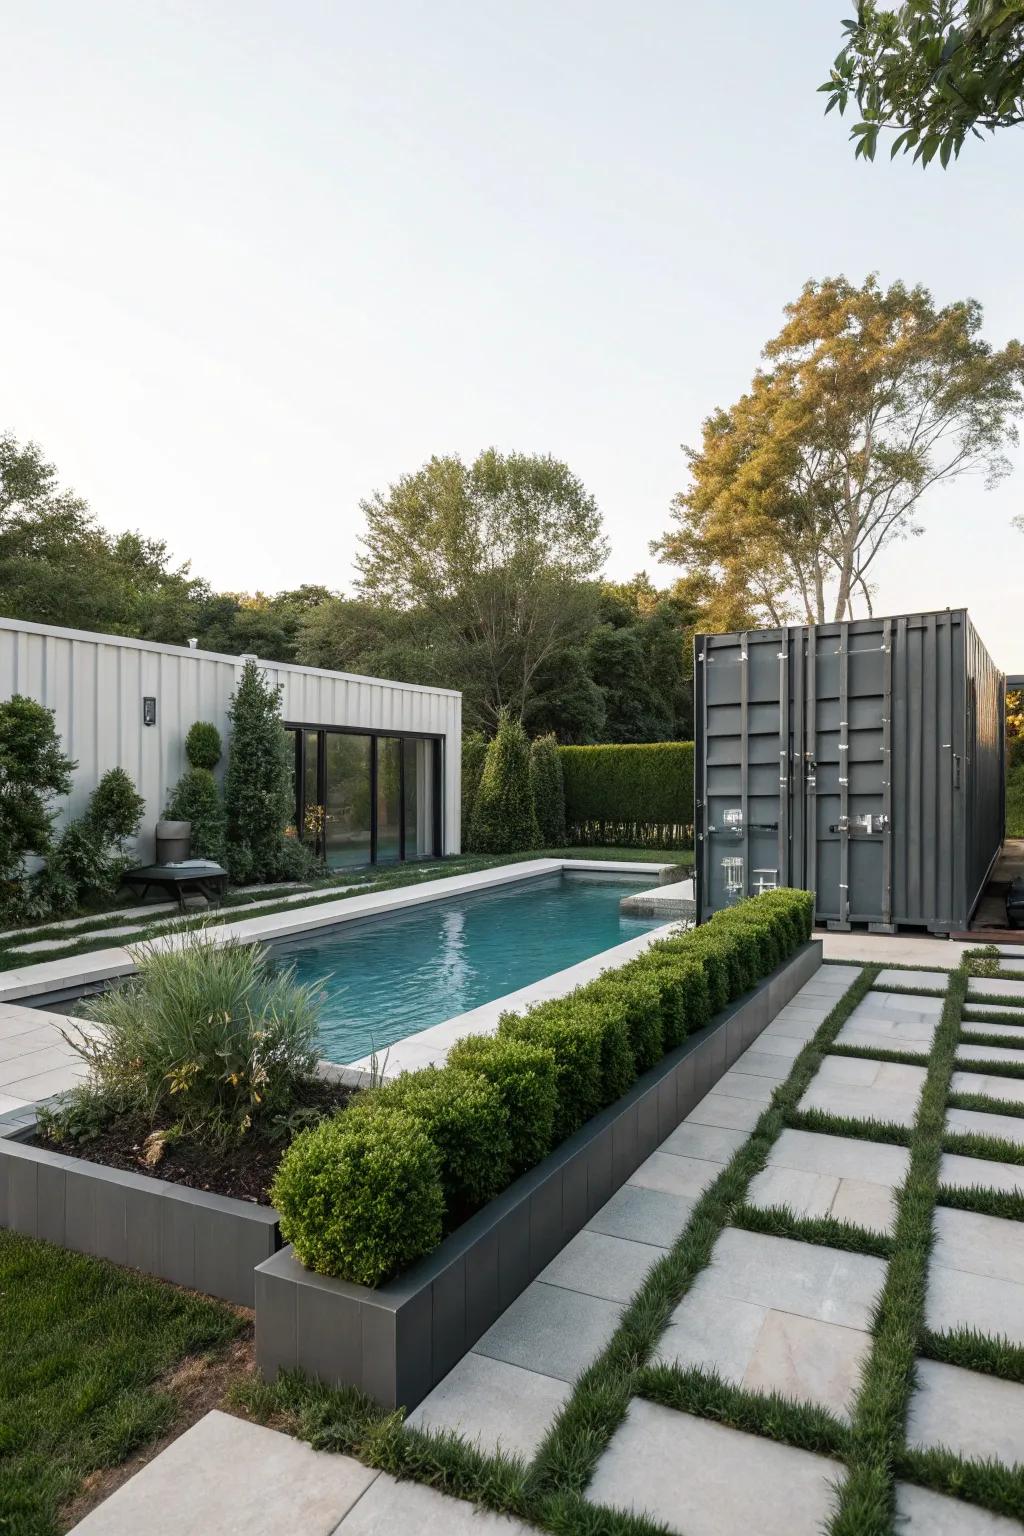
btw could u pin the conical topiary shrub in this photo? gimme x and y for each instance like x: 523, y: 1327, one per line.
x: 259, y: 789
x: 504, y: 820
x: 548, y: 790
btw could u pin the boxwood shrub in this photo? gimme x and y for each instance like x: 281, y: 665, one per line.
x: 524, y: 1075
x: 365, y: 1194
x: 360, y: 1196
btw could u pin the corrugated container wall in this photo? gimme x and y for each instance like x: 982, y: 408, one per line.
x: 863, y: 761
x: 95, y: 684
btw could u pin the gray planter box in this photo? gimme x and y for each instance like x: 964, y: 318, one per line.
x: 397, y: 1342
x: 207, y: 1242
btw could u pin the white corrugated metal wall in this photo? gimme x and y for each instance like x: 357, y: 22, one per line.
x: 95, y: 684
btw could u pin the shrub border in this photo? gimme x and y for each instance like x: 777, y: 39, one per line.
x: 399, y: 1340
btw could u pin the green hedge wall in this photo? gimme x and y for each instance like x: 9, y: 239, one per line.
x: 630, y: 796
x: 365, y: 1194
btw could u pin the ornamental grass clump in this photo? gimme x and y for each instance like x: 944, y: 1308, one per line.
x: 207, y: 1041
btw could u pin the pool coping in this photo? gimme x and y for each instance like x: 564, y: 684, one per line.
x: 396, y: 1342
x: 45, y: 977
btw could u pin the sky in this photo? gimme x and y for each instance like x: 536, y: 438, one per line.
x: 258, y: 261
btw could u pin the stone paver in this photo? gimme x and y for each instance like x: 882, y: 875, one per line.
x: 495, y: 1405
x: 929, y: 981
x: 958, y: 1172
x: 976, y: 1275
x: 643, y: 1215
x: 771, y: 1314
x: 995, y: 986
x: 990, y: 1084
x: 919, y: 1512
x: 598, y: 1265
x: 817, y: 1175
x: 232, y: 1477
x: 977, y: 1416
x: 722, y: 1109
x: 866, y: 1090
x: 675, y: 1175
x: 1007, y: 1032
x: 552, y: 1330
x: 979, y: 1122
x: 1009, y: 1012
x: 702, y: 1479
x: 714, y: 1143
x: 393, y: 1508
x: 998, y: 1055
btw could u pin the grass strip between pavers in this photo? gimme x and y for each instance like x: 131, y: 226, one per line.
x: 974, y: 1351
x: 984, y: 1103
x: 1003, y: 1042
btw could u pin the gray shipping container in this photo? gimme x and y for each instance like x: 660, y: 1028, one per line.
x: 862, y: 761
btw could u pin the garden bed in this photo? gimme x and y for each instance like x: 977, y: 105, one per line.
x: 398, y: 1340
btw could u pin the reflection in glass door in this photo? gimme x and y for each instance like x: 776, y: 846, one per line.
x: 347, y: 802
x: 389, y: 799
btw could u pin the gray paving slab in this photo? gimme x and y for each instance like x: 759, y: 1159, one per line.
x: 229, y: 1476
x: 980, y: 1173
x: 979, y: 1122
x: 725, y: 1110
x: 760, y: 1063
x: 1014, y: 1011
x: 810, y: 1280
x: 393, y: 1508
x: 703, y: 1479
x: 676, y: 1175
x: 45, y: 1058
x: 977, y: 1416
x: 1007, y: 1032
x: 990, y: 1084
x: 930, y: 980
x: 713, y: 1143
x: 845, y: 1156
x: 920, y: 1512
x: 8, y: 1102
x: 995, y: 986
x: 866, y: 1090
x: 644, y: 1215
x: 999, y: 1055
x: 784, y: 1047
x: 817, y: 1175
x: 1012, y: 964
x: 495, y: 1405
x: 40, y: 1085
x: 599, y: 1265
x: 981, y: 1245
x: 552, y: 1330
x: 957, y: 1299
x: 914, y: 1005
x: 743, y: 1085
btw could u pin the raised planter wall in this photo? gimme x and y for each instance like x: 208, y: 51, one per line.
x: 207, y: 1242
x: 397, y: 1342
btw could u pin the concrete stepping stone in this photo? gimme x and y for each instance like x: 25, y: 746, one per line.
x: 1014, y: 1011
x: 783, y: 1047
x: 225, y: 1474
x: 394, y: 1508
x: 866, y: 1090
x: 914, y: 1005
x: 979, y: 1417
x: 978, y: 1122
x: 1007, y: 1032
x: 1012, y: 964
x: 771, y: 1314
x: 676, y: 1175
x: 496, y: 1406
x: 714, y: 1143
x: 723, y: 1109
x: 643, y: 1215
x: 992, y: 1086
x: 888, y: 1029
x: 818, y: 1175
x: 744, y: 1085
x: 799, y: 1027
x: 551, y: 1330
x: 920, y: 1512
x: 1004, y: 1055
x: 958, y: 1172
x: 976, y: 1275
x: 931, y: 981
x: 703, y: 1479
x: 757, y: 1062
x: 598, y: 1265
x: 994, y: 986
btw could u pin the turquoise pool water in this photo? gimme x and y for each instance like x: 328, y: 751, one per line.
x: 388, y: 977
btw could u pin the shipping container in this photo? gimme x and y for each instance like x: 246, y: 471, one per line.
x: 862, y: 761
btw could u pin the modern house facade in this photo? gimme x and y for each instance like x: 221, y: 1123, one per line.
x: 377, y: 762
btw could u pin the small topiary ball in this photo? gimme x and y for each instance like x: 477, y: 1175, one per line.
x: 203, y: 745
x: 360, y: 1195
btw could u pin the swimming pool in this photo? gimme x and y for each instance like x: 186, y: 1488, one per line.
x: 387, y: 977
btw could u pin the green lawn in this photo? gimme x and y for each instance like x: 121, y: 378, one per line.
x: 1015, y: 803
x: 85, y: 1350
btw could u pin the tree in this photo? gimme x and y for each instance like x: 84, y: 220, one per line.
x: 504, y: 820
x: 501, y: 554
x: 259, y: 790
x: 33, y: 771
x: 869, y: 399
x: 931, y: 72
x: 548, y: 791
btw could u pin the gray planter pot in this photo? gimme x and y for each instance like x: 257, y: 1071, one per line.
x: 173, y: 841
x: 398, y: 1341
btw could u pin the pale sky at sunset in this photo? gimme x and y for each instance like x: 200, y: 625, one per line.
x: 258, y: 260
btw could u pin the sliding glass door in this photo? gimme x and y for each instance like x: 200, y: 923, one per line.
x: 367, y: 798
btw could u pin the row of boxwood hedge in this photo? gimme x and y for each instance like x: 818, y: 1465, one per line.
x: 629, y: 796
x: 361, y: 1196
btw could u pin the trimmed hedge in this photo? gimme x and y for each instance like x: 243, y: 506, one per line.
x: 631, y: 796
x: 444, y: 1140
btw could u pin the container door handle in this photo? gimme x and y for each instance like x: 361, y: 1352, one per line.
x: 956, y: 770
